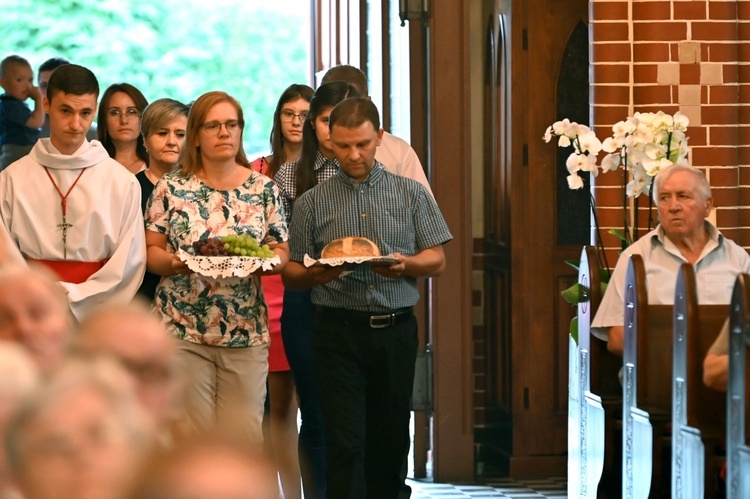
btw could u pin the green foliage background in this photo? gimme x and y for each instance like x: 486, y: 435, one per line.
x: 252, y: 49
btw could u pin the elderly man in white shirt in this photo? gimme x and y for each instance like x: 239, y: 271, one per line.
x: 683, y: 198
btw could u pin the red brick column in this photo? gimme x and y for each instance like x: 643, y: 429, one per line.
x: 677, y: 55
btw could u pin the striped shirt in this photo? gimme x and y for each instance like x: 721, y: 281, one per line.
x: 286, y: 179
x: 395, y: 212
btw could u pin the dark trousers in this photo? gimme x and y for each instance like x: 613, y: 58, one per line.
x: 365, y: 379
x: 296, y: 332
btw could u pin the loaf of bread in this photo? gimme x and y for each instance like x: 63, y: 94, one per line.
x: 350, y: 247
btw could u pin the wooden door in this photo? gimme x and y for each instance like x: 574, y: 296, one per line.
x: 536, y: 69
x: 494, y: 438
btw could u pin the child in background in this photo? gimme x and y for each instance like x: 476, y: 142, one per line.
x: 19, y: 125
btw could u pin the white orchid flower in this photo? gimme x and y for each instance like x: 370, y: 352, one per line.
x: 613, y: 144
x: 636, y: 187
x: 590, y: 165
x: 678, y: 136
x: 642, y: 134
x: 574, y: 181
x: 611, y: 162
x: 576, y: 162
x: 559, y: 127
x: 623, y: 128
x: 547, y: 134
x: 680, y: 153
x: 635, y: 156
x: 643, y: 145
x: 589, y: 142
x: 580, y: 129
x: 654, y: 166
x: 681, y: 121
x: 661, y: 120
x: 661, y: 137
x: 642, y: 118
x: 653, y: 152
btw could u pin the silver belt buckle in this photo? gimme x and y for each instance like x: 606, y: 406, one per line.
x: 376, y: 324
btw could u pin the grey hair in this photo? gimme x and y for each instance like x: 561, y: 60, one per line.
x: 103, y: 376
x: 161, y: 113
x: 704, y: 188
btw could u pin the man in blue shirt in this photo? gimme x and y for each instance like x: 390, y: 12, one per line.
x: 364, y: 332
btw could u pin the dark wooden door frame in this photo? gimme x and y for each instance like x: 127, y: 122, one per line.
x: 444, y: 95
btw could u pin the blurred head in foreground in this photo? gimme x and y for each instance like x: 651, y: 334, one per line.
x: 80, y: 434
x: 34, y: 313
x: 18, y: 377
x: 207, y: 467
x: 134, y: 337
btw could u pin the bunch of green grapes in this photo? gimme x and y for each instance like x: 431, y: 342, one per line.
x: 245, y: 245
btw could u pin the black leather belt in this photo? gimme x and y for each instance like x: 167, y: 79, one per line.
x: 366, y: 319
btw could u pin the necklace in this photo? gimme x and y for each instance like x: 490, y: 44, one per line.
x: 64, y: 204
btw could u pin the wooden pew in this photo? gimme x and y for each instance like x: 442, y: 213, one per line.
x: 605, y: 382
x: 738, y: 451
x: 698, y: 415
x: 637, y: 436
x: 647, y: 398
x: 585, y: 412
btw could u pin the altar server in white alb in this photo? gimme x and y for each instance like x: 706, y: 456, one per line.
x: 71, y: 207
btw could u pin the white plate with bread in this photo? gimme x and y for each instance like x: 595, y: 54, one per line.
x: 351, y: 250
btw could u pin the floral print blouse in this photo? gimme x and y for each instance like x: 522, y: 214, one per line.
x: 216, y: 312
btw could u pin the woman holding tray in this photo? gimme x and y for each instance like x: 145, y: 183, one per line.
x: 223, y: 322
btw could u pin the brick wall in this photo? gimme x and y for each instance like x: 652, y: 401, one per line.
x: 691, y: 56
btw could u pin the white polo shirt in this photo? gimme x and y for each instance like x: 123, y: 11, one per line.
x: 715, y: 272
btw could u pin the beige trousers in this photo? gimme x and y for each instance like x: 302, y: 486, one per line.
x: 226, y: 388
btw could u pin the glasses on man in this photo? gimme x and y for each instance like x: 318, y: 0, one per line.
x: 213, y: 127
x: 130, y: 113
x: 288, y: 116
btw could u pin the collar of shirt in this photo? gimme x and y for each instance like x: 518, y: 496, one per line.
x: 321, y: 161
x: 375, y: 176
x: 715, y: 239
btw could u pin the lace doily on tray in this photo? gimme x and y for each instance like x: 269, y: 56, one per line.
x: 335, y: 262
x: 226, y: 266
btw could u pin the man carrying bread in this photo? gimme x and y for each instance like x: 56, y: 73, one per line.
x: 365, y: 333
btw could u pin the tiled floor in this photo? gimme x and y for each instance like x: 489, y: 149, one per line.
x: 502, y: 487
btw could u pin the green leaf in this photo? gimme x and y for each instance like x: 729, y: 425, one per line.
x: 574, y: 294
x: 618, y: 234
x: 574, y: 329
x: 574, y: 263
